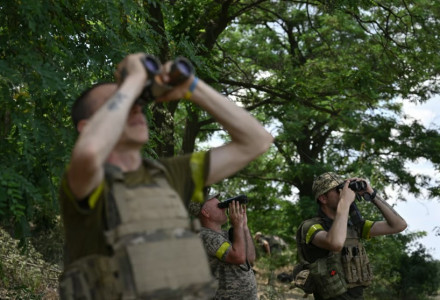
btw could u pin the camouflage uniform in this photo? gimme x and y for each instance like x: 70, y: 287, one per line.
x: 353, y: 259
x: 236, y: 282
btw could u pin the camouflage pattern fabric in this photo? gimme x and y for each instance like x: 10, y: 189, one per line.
x: 194, y: 207
x: 236, y: 282
x: 325, y: 182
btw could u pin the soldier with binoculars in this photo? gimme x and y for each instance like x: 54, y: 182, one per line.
x: 334, y: 263
x: 231, y: 253
x: 127, y: 230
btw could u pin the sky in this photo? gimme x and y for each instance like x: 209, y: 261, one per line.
x: 423, y: 214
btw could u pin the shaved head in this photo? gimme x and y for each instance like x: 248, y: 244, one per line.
x: 90, y: 100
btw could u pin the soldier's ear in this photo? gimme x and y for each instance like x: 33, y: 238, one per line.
x: 204, y: 212
x: 322, y: 199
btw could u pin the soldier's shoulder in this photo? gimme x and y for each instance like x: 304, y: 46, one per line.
x: 306, y: 224
x: 311, y: 221
x: 209, y: 233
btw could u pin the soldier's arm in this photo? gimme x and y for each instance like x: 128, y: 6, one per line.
x: 250, y: 247
x: 101, y: 132
x: 266, y: 246
x: 334, y: 239
x: 393, y: 223
x: 249, y: 138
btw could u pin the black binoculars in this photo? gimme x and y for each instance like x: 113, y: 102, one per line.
x: 181, y: 70
x: 356, y: 186
x: 243, y: 199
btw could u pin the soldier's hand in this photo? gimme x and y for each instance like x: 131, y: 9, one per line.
x: 131, y: 65
x: 346, y: 193
x: 178, y: 91
x: 369, y: 189
x: 236, y: 216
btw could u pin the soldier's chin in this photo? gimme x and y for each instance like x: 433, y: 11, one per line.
x: 138, y: 141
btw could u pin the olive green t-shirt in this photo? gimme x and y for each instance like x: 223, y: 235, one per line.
x: 84, y: 220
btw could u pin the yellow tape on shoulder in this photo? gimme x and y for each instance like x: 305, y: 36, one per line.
x: 197, y: 164
x: 312, y: 230
x: 95, y: 195
x: 221, y: 251
x: 366, y: 229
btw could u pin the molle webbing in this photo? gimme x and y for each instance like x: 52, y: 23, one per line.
x: 152, y: 236
x: 91, y: 278
x: 352, y: 262
x: 355, y: 262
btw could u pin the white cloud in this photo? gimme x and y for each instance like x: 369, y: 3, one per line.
x: 427, y: 113
x: 422, y: 214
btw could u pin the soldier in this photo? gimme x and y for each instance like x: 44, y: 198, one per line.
x: 230, y: 255
x: 270, y: 244
x: 127, y: 230
x: 262, y: 242
x: 329, y: 245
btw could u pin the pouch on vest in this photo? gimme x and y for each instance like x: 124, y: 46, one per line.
x: 328, y: 277
x: 355, y: 262
x: 302, y: 278
x: 93, y: 277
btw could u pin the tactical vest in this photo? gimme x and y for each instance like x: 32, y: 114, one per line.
x: 352, y: 261
x: 155, y: 253
x: 355, y: 262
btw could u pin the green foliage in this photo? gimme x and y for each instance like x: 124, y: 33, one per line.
x: 420, y: 275
x: 402, y: 274
x: 323, y: 76
x: 50, y: 51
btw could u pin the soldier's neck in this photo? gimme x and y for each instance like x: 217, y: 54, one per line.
x: 329, y: 212
x: 213, y: 226
x: 127, y: 161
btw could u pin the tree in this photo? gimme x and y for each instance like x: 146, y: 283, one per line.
x: 420, y: 275
x: 322, y: 75
x: 329, y: 81
x: 50, y: 52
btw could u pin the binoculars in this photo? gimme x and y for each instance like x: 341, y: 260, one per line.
x: 359, y: 186
x: 181, y: 70
x: 241, y: 198
x: 356, y: 186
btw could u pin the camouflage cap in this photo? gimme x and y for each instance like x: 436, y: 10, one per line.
x: 325, y: 182
x: 194, y: 208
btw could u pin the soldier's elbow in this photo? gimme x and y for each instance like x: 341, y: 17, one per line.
x: 335, y: 247
x: 402, y: 226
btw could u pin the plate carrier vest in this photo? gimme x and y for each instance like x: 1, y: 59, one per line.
x: 155, y: 253
x: 352, y: 260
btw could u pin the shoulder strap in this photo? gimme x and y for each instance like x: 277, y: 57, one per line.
x: 112, y: 217
x: 299, y: 243
x: 154, y: 164
x: 155, y: 168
